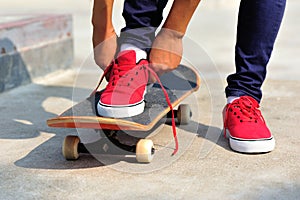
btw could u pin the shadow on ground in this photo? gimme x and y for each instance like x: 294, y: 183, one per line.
x: 29, y: 122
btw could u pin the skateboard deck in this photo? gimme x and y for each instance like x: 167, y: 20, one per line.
x: 179, y: 84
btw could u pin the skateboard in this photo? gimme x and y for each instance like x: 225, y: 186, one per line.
x: 178, y: 84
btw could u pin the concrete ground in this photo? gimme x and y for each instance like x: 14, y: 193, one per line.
x: 32, y: 166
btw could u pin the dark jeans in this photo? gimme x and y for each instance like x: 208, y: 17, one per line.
x: 142, y: 18
x: 258, y: 25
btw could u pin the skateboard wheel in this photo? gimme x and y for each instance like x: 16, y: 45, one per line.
x: 144, y: 151
x: 70, y: 147
x: 184, y: 114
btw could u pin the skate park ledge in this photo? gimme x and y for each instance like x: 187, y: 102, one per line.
x: 32, y: 46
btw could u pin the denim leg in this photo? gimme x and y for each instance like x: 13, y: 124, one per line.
x: 258, y: 25
x: 142, y: 18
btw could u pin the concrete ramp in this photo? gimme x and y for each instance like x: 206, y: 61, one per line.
x: 33, y: 46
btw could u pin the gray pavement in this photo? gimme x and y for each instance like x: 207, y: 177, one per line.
x: 32, y: 166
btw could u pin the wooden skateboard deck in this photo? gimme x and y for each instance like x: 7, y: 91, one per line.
x: 179, y: 84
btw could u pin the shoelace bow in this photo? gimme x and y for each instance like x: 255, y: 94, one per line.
x: 117, y: 73
x: 245, y: 110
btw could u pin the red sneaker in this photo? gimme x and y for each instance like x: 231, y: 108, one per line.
x: 246, y: 127
x: 124, y: 93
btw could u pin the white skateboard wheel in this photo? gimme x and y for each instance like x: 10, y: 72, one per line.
x: 184, y: 114
x: 144, y: 151
x: 70, y: 147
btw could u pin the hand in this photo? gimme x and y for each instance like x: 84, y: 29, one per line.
x: 166, y: 51
x: 105, y: 47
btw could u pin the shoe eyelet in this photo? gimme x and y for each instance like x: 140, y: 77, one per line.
x: 238, y: 117
x: 131, y: 79
x: 241, y: 121
x: 136, y: 73
x: 128, y: 84
x: 234, y: 113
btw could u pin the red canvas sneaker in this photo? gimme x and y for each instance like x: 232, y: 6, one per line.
x: 124, y: 93
x: 246, y: 128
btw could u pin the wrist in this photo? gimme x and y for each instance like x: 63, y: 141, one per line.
x: 170, y: 33
x: 102, y: 34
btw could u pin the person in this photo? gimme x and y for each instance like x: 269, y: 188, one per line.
x: 124, y: 60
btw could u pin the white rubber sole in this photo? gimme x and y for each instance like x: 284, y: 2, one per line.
x: 120, y: 111
x: 251, y: 146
